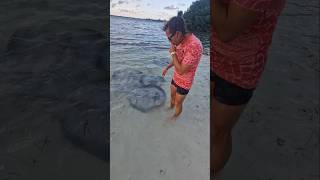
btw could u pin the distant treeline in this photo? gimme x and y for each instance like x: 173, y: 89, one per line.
x: 197, y: 17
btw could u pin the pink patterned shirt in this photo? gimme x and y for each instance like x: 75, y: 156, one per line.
x: 189, y: 52
x: 242, y: 60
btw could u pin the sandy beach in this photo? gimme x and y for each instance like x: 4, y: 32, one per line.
x: 52, y: 56
x: 149, y: 146
x: 277, y: 137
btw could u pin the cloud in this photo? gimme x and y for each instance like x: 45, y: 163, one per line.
x: 181, y: 4
x: 172, y: 7
x: 148, y: 4
x: 119, y: 3
x: 137, y: 5
x: 122, y: 2
x: 128, y: 11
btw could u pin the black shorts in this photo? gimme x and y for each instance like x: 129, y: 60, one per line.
x: 180, y: 90
x: 228, y: 93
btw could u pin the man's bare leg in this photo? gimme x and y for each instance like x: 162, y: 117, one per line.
x: 222, y: 120
x: 173, y: 90
x: 178, y: 104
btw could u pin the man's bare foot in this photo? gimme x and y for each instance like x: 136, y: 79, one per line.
x: 169, y: 120
x: 170, y: 106
x: 174, y: 117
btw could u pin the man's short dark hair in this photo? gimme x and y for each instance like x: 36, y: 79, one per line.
x: 175, y: 24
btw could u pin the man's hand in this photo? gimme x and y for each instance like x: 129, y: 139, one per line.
x: 172, y: 48
x: 164, y: 71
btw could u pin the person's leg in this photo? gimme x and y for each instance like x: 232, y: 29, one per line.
x: 178, y: 104
x: 222, y: 119
x: 173, y: 96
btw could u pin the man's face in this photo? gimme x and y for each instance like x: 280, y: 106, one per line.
x: 174, y: 38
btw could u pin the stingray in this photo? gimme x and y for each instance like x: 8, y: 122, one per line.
x: 149, y: 80
x: 145, y: 92
x: 147, y: 98
x: 126, y: 80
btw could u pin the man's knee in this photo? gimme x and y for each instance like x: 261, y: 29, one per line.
x: 177, y: 103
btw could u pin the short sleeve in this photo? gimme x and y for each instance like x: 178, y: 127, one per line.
x: 193, y: 54
x: 254, y: 5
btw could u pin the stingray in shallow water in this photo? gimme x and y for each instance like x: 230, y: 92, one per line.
x: 149, y: 80
x: 147, y: 98
x: 145, y: 92
x: 126, y: 80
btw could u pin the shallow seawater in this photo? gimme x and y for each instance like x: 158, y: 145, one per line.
x: 139, y: 45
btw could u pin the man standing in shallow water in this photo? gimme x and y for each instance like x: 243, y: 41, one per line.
x: 186, y: 50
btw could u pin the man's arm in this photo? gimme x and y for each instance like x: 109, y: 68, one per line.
x: 180, y: 68
x: 230, y: 20
x: 170, y: 65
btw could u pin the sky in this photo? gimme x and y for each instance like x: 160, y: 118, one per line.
x: 152, y: 9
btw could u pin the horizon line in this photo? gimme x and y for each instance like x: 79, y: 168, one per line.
x: 139, y: 18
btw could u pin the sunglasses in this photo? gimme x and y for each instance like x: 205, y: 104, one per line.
x: 169, y: 38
